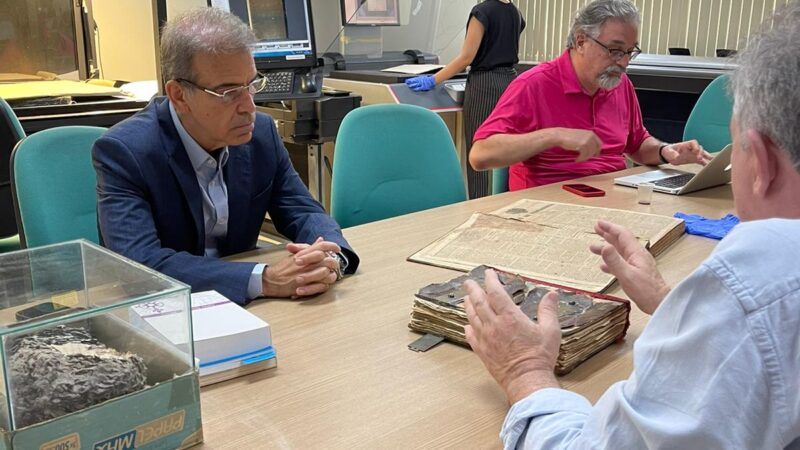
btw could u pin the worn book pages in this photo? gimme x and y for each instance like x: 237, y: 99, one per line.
x: 589, y: 322
x: 544, y: 240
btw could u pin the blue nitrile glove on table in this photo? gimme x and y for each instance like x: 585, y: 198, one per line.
x: 421, y: 83
x: 710, y: 228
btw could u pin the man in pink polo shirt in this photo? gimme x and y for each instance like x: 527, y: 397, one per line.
x: 576, y: 115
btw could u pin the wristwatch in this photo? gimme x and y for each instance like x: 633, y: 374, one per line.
x: 661, y: 155
x: 340, y: 266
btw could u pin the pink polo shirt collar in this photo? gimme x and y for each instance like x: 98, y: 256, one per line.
x: 569, y: 78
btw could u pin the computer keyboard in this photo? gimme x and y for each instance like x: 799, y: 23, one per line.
x: 674, y: 182
x: 278, y: 82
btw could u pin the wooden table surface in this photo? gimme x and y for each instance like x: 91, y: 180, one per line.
x: 345, y: 377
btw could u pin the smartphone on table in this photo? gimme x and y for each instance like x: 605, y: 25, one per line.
x: 43, y: 309
x: 584, y: 190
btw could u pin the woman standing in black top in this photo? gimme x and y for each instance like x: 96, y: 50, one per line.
x: 490, y: 49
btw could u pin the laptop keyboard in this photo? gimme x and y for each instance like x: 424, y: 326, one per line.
x: 674, y: 182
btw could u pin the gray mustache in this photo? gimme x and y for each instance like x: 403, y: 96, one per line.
x: 614, y: 69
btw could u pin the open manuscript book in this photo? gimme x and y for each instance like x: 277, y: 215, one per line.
x: 546, y: 241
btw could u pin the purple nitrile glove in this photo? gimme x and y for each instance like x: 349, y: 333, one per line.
x: 421, y: 83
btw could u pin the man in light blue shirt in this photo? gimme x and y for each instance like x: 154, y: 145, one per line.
x: 718, y: 366
x: 209, y: 168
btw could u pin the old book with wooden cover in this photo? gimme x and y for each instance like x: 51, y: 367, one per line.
x: 546, y: 241
x: 590, y: 322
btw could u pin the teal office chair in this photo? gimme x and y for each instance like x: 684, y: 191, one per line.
x: 53, y: 182
x: 499, y: 180
x: 710, y: 119
x: 392, y: 160
x: 11, y: 132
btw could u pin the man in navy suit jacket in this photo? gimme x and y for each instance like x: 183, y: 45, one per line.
x: 190, y: 177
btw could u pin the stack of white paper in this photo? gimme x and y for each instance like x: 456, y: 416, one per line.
x: 414, y: 69
x: 229, y: 341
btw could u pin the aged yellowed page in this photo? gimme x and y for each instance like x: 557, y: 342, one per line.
x: 543, y: 240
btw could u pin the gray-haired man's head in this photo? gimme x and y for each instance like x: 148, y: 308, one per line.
x: 603, y: 40
x: 210, y: 31
x: 208, y: 71
x: 766, y: 85
x: 589, y: 19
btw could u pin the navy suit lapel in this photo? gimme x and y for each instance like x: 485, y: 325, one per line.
x: 184, y: 172
x: 238, y: 179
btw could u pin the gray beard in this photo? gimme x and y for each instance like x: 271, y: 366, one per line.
x: 607, y: 81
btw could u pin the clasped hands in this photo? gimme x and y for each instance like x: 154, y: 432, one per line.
x: 310, y: 269
x: 521, y: 354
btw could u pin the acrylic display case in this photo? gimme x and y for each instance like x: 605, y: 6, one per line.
x: 78, y: 369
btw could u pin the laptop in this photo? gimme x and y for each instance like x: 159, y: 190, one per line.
x: 679, y: 182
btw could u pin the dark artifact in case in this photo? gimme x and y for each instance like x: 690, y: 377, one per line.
x: 64, y: 369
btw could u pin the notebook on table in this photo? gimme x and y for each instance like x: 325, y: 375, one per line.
x: 679, y: 182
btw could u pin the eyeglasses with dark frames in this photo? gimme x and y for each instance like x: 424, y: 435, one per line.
x: 617, y: 54
x: 232, y: 94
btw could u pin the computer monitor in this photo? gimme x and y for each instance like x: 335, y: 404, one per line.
x: 284, y: 30
x: 370, y: 12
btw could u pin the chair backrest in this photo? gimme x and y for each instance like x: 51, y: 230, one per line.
x: 499, y: 180
x: 53, y: 181
x: 10, y: 133
x: 710, y: 119
x: 392, y: 160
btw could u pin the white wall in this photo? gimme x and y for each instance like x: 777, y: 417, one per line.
x: 126, y: 48
x: 327, y: 23
x: 174, y: 7
x: 126, y: 43
x: 434, y: 26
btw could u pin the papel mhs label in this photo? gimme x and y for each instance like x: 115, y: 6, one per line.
x: 68, y: 442
x: 144, y: 434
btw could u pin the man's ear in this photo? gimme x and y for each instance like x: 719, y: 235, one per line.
x: 764, y: 159
x: 580, y: 40
x: 177, y: 95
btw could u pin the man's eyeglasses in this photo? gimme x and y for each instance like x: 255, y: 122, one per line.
x: 617, y: 54
x: 232, y: 94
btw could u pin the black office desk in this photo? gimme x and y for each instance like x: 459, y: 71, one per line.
x: 89, y: 111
